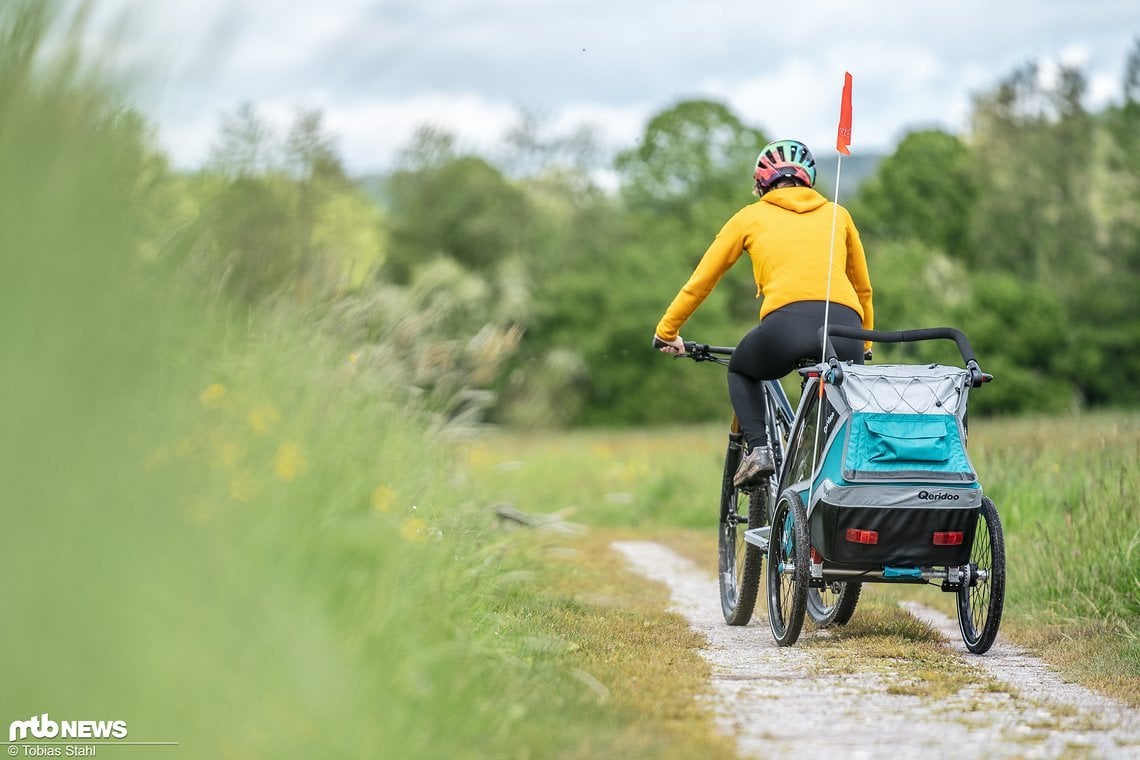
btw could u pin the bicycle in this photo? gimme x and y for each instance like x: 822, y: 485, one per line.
x: 739, y: 551
x: 902, y: 506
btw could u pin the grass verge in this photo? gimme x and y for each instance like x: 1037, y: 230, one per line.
x: 628, y: 657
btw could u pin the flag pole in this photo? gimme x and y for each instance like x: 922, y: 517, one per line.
x: 842, y: 143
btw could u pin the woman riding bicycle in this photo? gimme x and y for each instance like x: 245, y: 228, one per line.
x: 787, y: 234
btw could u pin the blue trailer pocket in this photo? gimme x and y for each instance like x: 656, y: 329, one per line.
x: 893, y: 438
x: 906, y: 446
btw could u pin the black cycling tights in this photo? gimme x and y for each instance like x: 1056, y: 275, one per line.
x: 772, y: 349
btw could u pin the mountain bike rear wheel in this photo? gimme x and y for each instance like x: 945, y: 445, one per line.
x: 739, y: 562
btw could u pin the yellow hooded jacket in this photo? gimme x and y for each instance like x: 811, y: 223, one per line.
x: 786, y: 233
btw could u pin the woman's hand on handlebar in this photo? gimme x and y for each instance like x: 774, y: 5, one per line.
x: 675, y: 346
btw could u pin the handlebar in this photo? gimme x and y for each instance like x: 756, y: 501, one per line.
x: 700, y: 352
x: 703, y: 352
x: 977, y: 377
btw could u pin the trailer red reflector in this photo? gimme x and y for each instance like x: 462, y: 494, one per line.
x: 949, y: 538
x: 857, y: 536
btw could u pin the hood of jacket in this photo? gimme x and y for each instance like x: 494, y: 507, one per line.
x: 798, y: 199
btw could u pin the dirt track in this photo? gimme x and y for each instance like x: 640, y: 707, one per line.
x: 774, y: 701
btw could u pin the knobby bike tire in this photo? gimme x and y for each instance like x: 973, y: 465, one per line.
x: 739, y: 562
x: 826, y: 607
x: 980, y: 603
x: 788, y: 548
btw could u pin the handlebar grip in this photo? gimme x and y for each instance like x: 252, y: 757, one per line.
x: 690, y: 345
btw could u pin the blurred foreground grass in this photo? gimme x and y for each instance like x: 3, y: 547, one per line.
x: 235, y: 532
x: 224, y: 529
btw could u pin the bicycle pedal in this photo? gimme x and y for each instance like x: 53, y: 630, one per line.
x: 751, y: 488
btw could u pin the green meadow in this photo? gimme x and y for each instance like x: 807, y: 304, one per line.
x: 1066, y: 489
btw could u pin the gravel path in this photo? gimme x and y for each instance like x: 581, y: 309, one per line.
x: 775, y: 701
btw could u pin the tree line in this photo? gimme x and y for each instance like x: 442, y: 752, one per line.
x: 523, y: 288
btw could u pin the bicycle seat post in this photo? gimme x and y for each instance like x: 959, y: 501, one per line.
x: 804, y: 363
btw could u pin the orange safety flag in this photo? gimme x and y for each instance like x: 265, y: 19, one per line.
x: 843, y: 139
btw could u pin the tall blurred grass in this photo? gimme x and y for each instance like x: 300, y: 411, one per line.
x: 227, y: 528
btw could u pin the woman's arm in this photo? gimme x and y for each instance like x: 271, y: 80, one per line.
x: 725, y: 249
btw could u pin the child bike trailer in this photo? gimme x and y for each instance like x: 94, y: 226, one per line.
x: 893, y: 496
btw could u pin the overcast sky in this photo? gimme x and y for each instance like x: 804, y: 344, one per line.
x: 379, y: 68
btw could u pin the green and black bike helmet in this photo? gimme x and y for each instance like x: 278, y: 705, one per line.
x: 784, y: 159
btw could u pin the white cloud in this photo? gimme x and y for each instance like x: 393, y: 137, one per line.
x: 1074, y: 56
x: 1103, y: 89
x: 372, y: 133
x: 379, y: 68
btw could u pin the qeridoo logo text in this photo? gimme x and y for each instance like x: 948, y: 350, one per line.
x: 43, y: 727
x: 928, y: 496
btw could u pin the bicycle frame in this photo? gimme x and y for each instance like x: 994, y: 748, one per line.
x: 781, y: 421
x: 779, y: 398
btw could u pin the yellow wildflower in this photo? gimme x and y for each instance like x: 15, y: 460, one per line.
x: 230, y: 454
x: 289, y: 462
x: 243, y: 486
x: 414, y: 530
x: 353, y: 358
x: 263, y: 417
x: 478, y: 455
x: 383, y: 498
x: 212, y: 396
